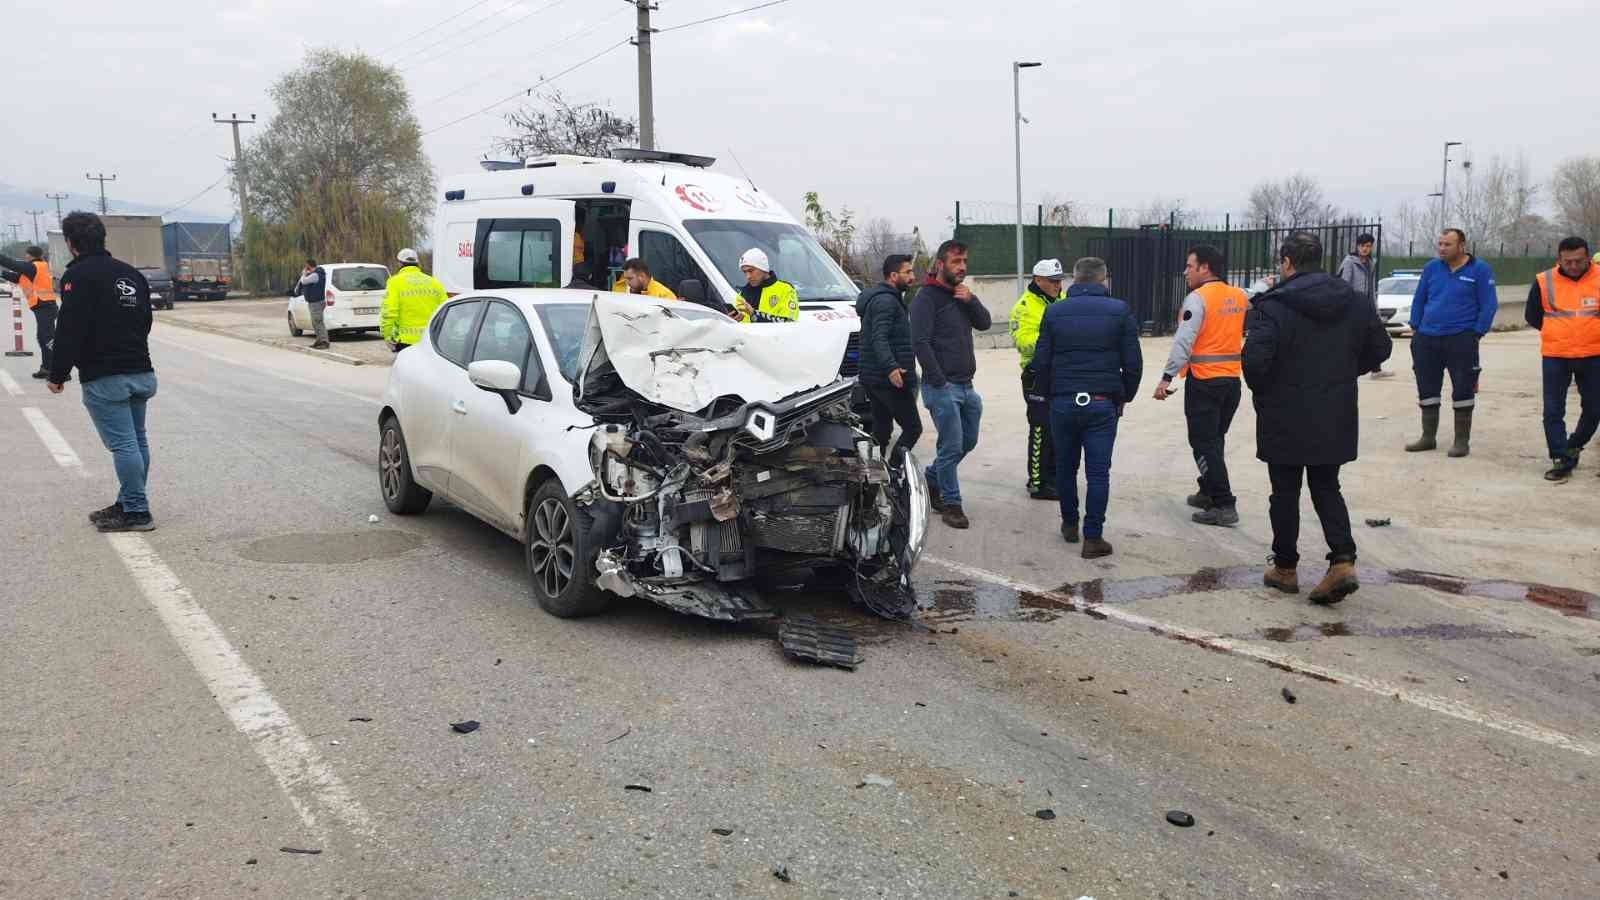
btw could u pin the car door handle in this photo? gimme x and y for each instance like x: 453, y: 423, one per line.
x: 459, y: 407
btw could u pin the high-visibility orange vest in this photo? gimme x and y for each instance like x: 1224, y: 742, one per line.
x: 1219, y: 347
x: 1571, y: 328
x: 42, y: 292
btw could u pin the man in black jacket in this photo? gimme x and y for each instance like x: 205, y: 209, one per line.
x: 944, y: 314
x: 888, y: 367
x: 1307, y: 341
x: 1087, y: 365
x: 104, y: 332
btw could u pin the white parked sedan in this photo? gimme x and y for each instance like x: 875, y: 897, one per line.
x: 650, y: 448
x: 354, y: 299
x: 1394, y: 301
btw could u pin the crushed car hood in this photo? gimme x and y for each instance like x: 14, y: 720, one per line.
x: 684, y: 356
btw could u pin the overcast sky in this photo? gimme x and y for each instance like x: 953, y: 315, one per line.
x: 896, y: 109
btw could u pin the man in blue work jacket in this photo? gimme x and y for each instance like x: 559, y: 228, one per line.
x: 1452, y: 310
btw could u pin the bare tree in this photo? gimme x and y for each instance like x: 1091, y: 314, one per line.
x: 560, y: 126
x: 836, y: 232
x: 1161, y: 211
x: 1061, y: 211
x: 1492, y: 198
x: 1575, y: 187
x: 1407, y: 229
x: 877, y: 240
x: 1296, y: 200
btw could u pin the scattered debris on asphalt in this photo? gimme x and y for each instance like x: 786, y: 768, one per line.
x: 1461, y: 678
x: 333, y: 743
x: 803, y: 637
x: 1504, y: 875
x: 875, y: 780
x: 1045, y: 814
x: 920, y: 703
x: 1289, y: 695
x: 1120, y: 691
x: 1180, y: 818
x: 466, y: 727
x: 1085, y: 677
x: 300, y: 851
x: 361, y: 718
x: 1379, y: 523
x: 782, y: 874
x: 722, y: 832
x: 621, y: 736
x: 372, y: 520
x: 498, y: 660
x: 251, y: 861
x: 641, y: 788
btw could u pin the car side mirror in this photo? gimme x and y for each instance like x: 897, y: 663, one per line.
x: 498, y: 377
x: 692, y: 289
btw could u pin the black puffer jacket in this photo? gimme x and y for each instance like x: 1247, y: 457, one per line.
x: 885, y: 336
x: 1306, y: 342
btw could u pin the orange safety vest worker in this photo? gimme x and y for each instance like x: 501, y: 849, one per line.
x: 1571, y: 328
x: 1219, y: 347
x: 39, y: 289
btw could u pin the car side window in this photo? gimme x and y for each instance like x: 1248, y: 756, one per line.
x: 669, y: 262
x: 504, y: 335
x: 452, y: 330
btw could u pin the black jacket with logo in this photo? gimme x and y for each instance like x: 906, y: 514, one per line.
x: 104, y: 326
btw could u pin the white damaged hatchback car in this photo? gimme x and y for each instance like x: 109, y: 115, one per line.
x: 651, y: 448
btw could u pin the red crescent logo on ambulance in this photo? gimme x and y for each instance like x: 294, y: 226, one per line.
x: 699, y: 198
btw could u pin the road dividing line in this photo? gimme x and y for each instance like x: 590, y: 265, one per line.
x: 311, y: 786
x: 53, y: 441
x: 10, y: 384
x: 1286, y: 662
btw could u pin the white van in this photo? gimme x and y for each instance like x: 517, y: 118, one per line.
x: 354, y: 298
x: 512, y: 225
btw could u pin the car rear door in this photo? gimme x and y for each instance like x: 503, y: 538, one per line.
x: 435, y: 376
x: 359, y: 292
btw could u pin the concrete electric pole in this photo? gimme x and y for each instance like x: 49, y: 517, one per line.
x: 35, y: 213
x: 241, y: 183
x: 1017, y: 120
x: 1444, y: 186
x: 57, y: 198
x: 102, y: 178
x: 647, y: 100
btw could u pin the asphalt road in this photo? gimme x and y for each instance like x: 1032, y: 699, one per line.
x: 181, y: 705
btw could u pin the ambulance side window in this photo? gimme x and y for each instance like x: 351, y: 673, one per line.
x: 669, y: 262
x: 517, y: 253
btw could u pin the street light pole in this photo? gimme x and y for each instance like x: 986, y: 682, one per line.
x: 1016, y: 105
x: 1444, y: 184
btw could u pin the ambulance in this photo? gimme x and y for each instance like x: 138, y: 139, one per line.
x: 565, y: 221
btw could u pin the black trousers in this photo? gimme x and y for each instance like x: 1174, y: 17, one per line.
x: 1329, y: 503
x: 44, y: 320
x: 895, y: 406
x: 1041, y: 441
x: 1209, y: 405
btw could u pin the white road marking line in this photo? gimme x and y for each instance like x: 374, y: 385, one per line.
x: 1210, y: 641
x: 319, y: 387
x: 53, y: 441
x: 10, y: 384
x: 308, y: 782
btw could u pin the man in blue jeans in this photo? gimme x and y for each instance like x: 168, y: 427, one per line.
x: 104, y: 332
x: 944, y: 314
x: 1088, y: 364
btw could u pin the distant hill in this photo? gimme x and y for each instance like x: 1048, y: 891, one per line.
x: 15, y: 202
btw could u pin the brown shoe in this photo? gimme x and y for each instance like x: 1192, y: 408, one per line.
x: 954, y: 517
x: 1339, y: 583
x: 1286, y: 580
x: 1094, y: 548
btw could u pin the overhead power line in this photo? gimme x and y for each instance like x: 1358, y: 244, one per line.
x: 727, y: 15
x: 443, y: 21
x: 534, y: 53
x: 502, y: 30
x: 530, y: 89
x: 454, y: 34
x: 185, y: 204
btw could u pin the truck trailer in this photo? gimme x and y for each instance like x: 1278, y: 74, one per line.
x: 199, y: 257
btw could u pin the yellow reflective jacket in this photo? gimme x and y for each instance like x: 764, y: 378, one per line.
x: 408, y: 304
x: 654, y: 289
x: 1025, y: 319
x: 774, y: 301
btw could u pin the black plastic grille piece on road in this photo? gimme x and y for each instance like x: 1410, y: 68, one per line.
x: 803, y: 637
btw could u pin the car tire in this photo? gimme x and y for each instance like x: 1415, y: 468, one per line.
x: 400, y: 490
x: 294, y: 330
x: 560, y: 562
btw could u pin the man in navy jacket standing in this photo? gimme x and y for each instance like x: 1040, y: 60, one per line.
x: 1452, y: 310
x: 1088, y: 366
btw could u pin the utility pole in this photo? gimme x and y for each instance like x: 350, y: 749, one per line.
x: 57, y: 198
x: 241, y: 183
x: 102, y: 179
x: 1444, y: 185
x: 647, y: 99
x: 1016, y: 102
x: 36, y: 213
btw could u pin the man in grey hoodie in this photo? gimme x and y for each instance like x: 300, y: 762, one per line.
x: 1359, y: 272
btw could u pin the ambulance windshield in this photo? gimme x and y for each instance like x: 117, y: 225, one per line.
x: 796, y: 257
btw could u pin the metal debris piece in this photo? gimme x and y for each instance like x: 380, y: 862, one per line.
x: 466, y: 727
x: 876, y: 781
x: 643, y: 789
x: 621, y: 736
x: 300, y: 851
x: 1046, y: 814
x: 361, y: 718
x: 722, y: 832
x: 1378, y: 523
x: 1289, y: 695
x: 782, y: 874
x: 1180, y: 818
x: 803, y: 637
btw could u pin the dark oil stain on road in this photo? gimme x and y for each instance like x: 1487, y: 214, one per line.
x: 332, y: 547
x: 960, y: 599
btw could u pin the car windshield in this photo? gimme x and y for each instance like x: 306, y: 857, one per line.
x: 564, y: 325
x: 795, y: 255
x: 1405, y: 287
x: 360, y: 278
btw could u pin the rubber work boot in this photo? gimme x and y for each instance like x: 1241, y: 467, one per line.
x: 1198, y: 501
x: 1561, y: 467
x: 954, y: 517
x: 1286, y: 580
x: 1094, y: 548
x: 1462, y: 445
x: 1339, y: 583
x: 1069, y: 533
x: 1226, y: 516
x: 1430, y: 431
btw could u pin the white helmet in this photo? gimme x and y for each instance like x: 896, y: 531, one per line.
x: 755, y: 258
